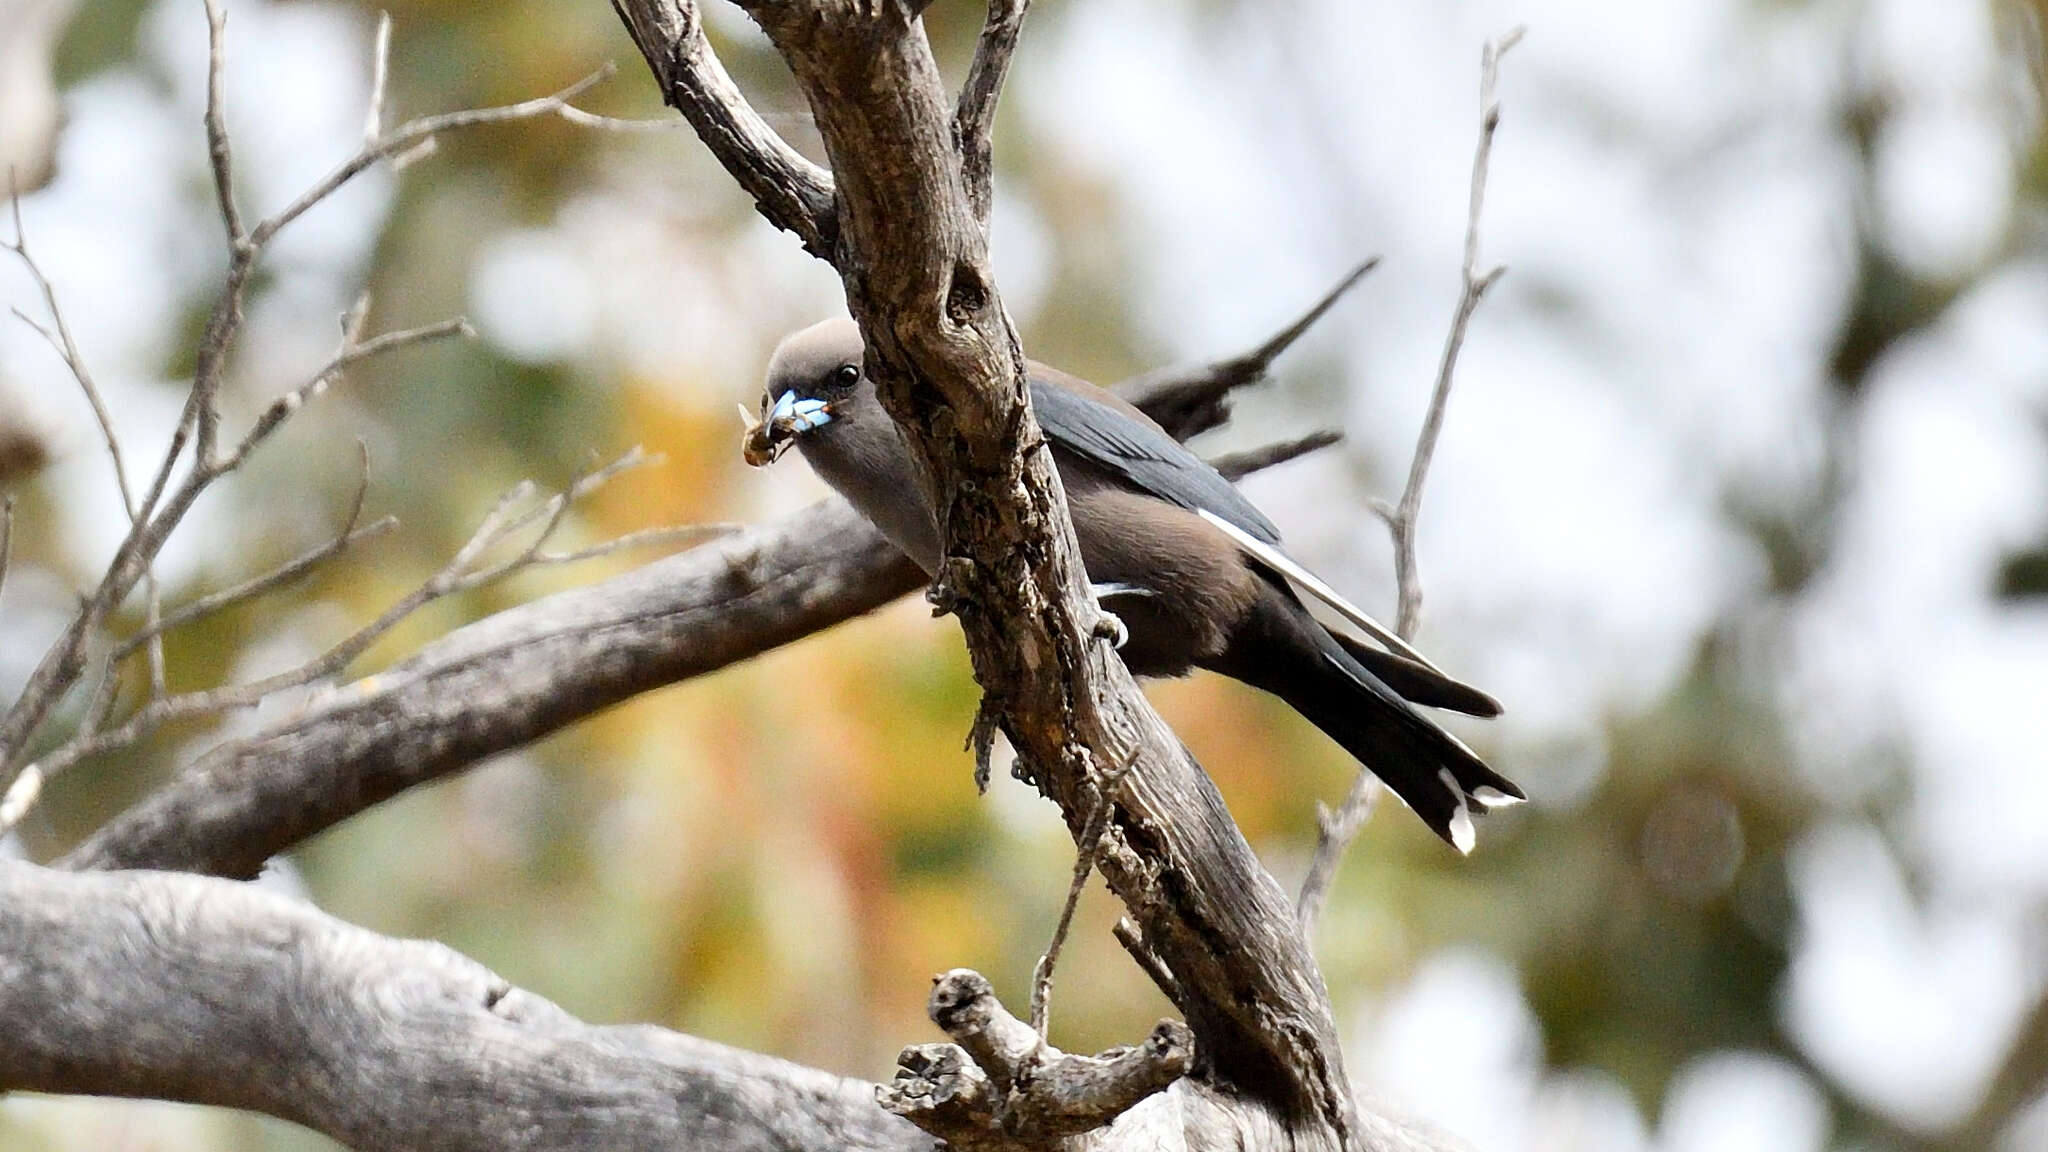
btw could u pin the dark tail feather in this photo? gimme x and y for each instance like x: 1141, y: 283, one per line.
x: 1419, y: 683
x: 1443, y: 781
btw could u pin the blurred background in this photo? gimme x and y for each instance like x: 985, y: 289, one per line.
x: 1741, y: 508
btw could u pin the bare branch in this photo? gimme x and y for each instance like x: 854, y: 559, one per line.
x: 58, y: 337
x: 1038, y: 1092
x: 353, y: 350
x: 459, y: 575
x: 60, y: 342
x: 1335, y: 831
x: 975, y: 118
x: 1087, y: 848
x: 411, y: 134
x: 1132, y: 937
x: 790, y: 191
x: 1200, y: 395
x: 506, y: 680
x: 380, y: 76
x: 279, y: 577
x: 217, y: 147
x: 575, y: 115
x: 185, y: 988
x: 1238, y: 465
x: 646, y: 538
x: 503, y: 681
x: 1476, y: 283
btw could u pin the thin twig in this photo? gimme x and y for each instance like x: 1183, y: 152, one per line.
x: 975, y: 117
x: 61, y: 343
x: 217, y: 147
x: 1132, y: 937
x: 58, y: 337
x: 645, y: 538
x: 6, y: 537
x: 1336, y: 830
x: 1195, y: 399
x: 575, y: 115
x: 278, y: 577
x: 1237, y: 465
x: 1402, y: 522
x: 1093, y: 837
x: 412, y: 133
x: 380, y: 77
x: 457, y: 576
x: 354, y: 350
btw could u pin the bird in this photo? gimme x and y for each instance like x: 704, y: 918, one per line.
x: 1189, y: 572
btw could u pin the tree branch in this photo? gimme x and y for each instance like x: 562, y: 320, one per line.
x: 913, y: 257
x: 1199, y: 396
x: 502, y: 682
x: 163, y: 508
x: 1336, y: 830
x: 1003, y: 1086
x: 790, y: 191
x: 193, y: 989
x: 974, y: 120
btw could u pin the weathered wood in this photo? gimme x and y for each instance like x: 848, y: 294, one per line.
x: 502, y: 682
x: 912, y: 254
x: 207, y: 991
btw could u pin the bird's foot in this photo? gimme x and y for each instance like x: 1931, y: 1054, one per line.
x: 1109, y: 626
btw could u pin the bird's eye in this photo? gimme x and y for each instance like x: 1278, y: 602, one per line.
x: 846, y: 376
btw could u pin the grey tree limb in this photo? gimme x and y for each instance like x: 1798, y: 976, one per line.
x: 174, y: 987
x: 503, y: 682
x: 790, y: 191
x: 189, y: 988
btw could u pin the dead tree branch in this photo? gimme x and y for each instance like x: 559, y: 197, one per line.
x: 194, y: 989
x: 162, y: 508
x: 1199, y: 395
x: 911, y: 251
x: 505, y: 681
x: 790, y: 191
x: 974, y: 120
x: 1336, y: 830
x: 461, y: 574
x: 999, y: 1085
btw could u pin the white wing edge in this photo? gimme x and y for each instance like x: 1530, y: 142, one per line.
x: 1285, y: 565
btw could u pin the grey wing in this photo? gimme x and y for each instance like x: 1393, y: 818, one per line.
x: 1144, y: 457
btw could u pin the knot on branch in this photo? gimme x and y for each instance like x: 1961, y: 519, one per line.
x: 999, y: 1081
x: 948, y: 592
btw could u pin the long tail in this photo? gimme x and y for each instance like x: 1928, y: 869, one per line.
x: 1292, y: 656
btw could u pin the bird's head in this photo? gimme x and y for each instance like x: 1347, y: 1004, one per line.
x: 816, y: 389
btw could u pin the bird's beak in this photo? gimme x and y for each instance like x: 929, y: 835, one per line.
x: 779, y: 426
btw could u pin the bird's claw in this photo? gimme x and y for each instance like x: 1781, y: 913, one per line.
x: 1109, y: 626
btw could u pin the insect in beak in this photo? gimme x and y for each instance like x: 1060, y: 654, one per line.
x: 768, y: 438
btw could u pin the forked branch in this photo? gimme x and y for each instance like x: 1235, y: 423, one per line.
x: 1335, y: 830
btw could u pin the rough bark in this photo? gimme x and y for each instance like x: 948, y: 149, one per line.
x: 912, y: 254
x: 503, y: 682
x: 511, y: 678
x: 202, y: 990
x: 903, y: 220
